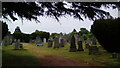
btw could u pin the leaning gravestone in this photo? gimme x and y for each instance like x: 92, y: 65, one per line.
x: 56, y: 42
x: 93, y: 50
x: 50, y: 43
x: 80, y: 47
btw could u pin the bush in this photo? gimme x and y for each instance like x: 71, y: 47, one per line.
x: 107, y: 31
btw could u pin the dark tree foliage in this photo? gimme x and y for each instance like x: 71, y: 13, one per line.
x: 107, y: 32
x: 31, y: 10
x: 72, y: 44
x: 18, y: 35
x: 41, y: 34
x: 4, y: 29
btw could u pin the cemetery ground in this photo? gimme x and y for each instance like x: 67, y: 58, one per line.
x: 33, y: 55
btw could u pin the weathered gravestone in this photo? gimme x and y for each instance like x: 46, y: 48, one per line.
x: 93, y: 50
x: 50, y: 43
x: 80, y: 47
x: 72, y: 44
x: 44, y: 40
x: 56, y: 42
x: 6, y: 41
x: 39, y: 41
x: 87, y: 42
x: 94, y: 41
x: 16, y: 44
x: 76, y: 37
x: 61, y: 42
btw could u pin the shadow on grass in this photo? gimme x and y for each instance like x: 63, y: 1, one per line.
x: 18, y: 58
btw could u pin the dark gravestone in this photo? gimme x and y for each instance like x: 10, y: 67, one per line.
x: 21, y: 46
x: 72, y: 44
x: 80, y: 47
x: 87, y: 45
x: 114, y: 55
x: 93, y: 50
x: 62, y: 42
x: 56, y: 42
x: 50, y: 43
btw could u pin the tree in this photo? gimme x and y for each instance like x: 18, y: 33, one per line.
x: 4, y: 29
x: 31, y: 10
x: 41, y: 34
x: 107, y: 32
x: 85, y: 33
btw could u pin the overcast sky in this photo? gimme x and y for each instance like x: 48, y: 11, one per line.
x: 51, y: 25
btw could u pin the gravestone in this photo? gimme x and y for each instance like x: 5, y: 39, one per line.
x: 72, y: 45
x: 21, y: 46
x: 44, y: 40
x: 76, y: 37
x: 80, y: 47
x: 93, y: 50
x: 62, y: 42
x: 94, y: 41
x: 16, y: 44
x: 6, y: 41
x: 50, y: 43
x: 87, y: 46
x: 39, y: 41
x: 56, y: 42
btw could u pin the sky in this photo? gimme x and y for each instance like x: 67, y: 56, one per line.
x: 49, y: 24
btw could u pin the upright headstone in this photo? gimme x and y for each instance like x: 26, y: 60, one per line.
x: 62, y: 42
x: 6, y: 40
x: 16, y: 45
x: 39, y: 41
x: 94, y: 41
x: 56, y: 42
x: 72, y: 44
x: 50, y: 43
x: 76, y: 38
x: 44, y: 40
x: 93, y: 50
x: 80, y: 47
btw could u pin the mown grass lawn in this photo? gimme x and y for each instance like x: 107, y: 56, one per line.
x: 11, y: 57
x: 29, y: 56
x: 104, y: 59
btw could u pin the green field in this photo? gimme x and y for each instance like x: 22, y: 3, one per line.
x: 31, y: 53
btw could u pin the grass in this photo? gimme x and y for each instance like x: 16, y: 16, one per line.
x: 104, y: 59
x: 30, y: 56
x: 11, y: 57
